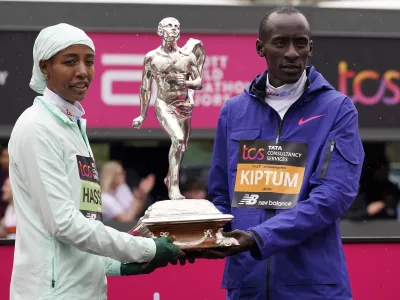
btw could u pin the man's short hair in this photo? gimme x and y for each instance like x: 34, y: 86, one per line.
x: 163, y: 23
x: 286, y: 9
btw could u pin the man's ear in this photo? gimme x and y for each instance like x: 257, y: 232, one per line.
x: 44, y: 65
x: 311, y: 48
x: 259, y: 48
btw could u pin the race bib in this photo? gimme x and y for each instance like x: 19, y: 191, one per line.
x: 269, y: 175
x: 90, y: 201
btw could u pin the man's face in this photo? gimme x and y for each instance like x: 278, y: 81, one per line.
x: 70, y: 72
x: 286, y: 45
x: 171, y: 30
x: 4, y: 159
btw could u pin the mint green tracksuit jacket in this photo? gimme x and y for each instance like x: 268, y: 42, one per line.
x: 63, y: 250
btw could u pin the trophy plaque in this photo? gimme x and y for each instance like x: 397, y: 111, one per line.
x: 194, y: 223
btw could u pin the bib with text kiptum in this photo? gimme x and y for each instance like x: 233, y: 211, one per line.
x: 269, y: 175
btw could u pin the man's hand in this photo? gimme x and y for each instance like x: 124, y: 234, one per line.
x: 3, y: 233
x: 181, y: 81
x: 375, y: 207
x: 137, y: 123
x: 183, y: 259
x: 245, y: 239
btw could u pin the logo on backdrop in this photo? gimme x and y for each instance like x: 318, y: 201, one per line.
x: 127, y: 68
x: 369, y: 87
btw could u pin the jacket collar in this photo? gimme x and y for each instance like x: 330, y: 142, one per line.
x: 315, y: 82
x: 67, y: 112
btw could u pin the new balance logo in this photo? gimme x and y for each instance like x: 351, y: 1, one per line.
x: 91, y: 216
x: 249, y: 199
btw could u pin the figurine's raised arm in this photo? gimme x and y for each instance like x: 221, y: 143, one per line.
x: 196, y: 82
x: 195, y: 50
x: 145, y: 90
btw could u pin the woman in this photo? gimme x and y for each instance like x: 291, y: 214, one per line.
x: 8, y: 222
x: 3, y: 176
x: 62, y: 249
x: 119, y: 202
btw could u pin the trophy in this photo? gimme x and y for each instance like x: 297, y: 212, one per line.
x: 195, y: 223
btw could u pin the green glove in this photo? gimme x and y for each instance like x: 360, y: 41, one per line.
x: 131, y: 269
x: 166, y: 252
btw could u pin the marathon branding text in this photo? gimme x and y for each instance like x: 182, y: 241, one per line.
x: 269, y: 175
x: 87, y: 169
x: 272, y: 153
x: 90, y: 204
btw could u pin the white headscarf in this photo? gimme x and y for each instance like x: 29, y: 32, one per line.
x: 49, y: 42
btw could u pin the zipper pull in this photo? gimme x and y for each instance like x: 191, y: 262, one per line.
x: 53, y: 283
x: 332, y: 146
x: 327, y: 159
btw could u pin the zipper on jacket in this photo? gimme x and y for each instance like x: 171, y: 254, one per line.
x: 53, y: 280
x: 327, y: 158
x: 280, y: 121
x: 270, y: 215
x: 280, y: 124
x: 84, y: 140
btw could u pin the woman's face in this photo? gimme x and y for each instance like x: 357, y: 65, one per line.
x: 70, y: 72
x: 119, y: 176
x: 7, y: 191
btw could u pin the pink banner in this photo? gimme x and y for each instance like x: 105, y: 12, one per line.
x: 374, y: 271
x: 113, y: 99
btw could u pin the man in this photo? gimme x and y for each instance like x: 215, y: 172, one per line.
x: 286, y: 164
x: 177, y: 73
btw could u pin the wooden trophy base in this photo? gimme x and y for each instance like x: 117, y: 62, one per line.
x: 194, y: 224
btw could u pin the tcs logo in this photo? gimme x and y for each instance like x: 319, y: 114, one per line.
x: 387, y: 90
x: 252, y: 153
x: 85, y: 170
x: 116, y: 71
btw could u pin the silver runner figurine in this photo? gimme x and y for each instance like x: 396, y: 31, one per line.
x: 177, y: 72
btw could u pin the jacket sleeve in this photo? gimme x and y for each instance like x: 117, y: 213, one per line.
x: 113, y: 267
x: 218, y: 177
x: 41, y: 152
x: 334, y: 186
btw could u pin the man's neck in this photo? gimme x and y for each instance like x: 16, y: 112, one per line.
x: 286, y: 91
x: 169, y: 47
x: 275, y: 82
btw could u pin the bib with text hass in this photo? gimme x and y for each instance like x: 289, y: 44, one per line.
x: 90, y: 201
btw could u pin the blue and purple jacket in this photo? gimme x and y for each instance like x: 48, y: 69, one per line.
x: 300, y: 253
